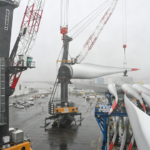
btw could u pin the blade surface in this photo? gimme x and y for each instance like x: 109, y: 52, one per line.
x: 140, y: 122
x: 127, y: 88
x: 115, y: 134
x: 112, y: 90
x: 124, y: 134
x: 131, y: 143
x: 146, y: 98
x: 139, y: 88
x: 89, y: 71
x: 147, y: 86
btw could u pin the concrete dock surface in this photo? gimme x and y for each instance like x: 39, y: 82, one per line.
x: 86, y: 136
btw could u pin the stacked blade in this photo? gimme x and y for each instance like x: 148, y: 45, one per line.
x: 144, y: 91
x: 140, y: 125
x: 132, y: 130
x: 130, y: 91
x: 112, y: 90
x: 115, y: 134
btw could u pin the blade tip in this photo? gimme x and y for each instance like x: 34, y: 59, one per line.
x: 135, y: 69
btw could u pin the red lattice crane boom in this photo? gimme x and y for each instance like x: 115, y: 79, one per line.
x: 20, y: 55
x: 94, y: 36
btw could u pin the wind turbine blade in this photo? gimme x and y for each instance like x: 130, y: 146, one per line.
x: 140, y: 122
x: 89, y: 71
x: 127, y: 88
x: 139, y: 88
x: 124, y: 134
x: 131, y: 143
x: 115, y: 135
x: 146, y: 98
x: 147, y: 86
x: 112, y: 90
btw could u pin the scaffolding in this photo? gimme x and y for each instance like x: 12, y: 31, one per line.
x: 104, y: 120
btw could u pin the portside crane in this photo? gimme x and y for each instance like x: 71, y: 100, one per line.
x: 64, y: 112
x: 12, y: 66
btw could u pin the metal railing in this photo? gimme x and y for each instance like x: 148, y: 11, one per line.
x: 28, y: 64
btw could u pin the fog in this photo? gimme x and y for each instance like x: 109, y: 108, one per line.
x: 107, y: 50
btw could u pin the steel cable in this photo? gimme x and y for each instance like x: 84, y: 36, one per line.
x: 61, y: 5
x: 85, y: 24
x: 87, y: 16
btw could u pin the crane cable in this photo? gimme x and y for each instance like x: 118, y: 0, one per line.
x: 64, y: 7
x: 87, y: 16
x: 84, y: 27
x: 64, y: 13
x: 124, y: 28
x: 60, y: 52
x: 61, y: 5
x: 67, y: 13
x: 124, y: 22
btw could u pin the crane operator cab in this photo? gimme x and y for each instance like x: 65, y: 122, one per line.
x: 25, y: 61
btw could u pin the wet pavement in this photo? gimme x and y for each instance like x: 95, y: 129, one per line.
x: 87, y: 136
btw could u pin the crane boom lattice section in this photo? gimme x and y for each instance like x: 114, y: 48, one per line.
x: 92, y: 39
x: 26, y: 39
x: 30, y: 25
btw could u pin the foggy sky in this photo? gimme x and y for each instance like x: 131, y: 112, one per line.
x: 107, y: 50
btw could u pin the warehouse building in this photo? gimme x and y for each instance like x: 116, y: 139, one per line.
x: 21, y: 89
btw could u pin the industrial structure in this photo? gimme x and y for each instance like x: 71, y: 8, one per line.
x: 21, y: 89
x: 12, y: 66
x: 119, y: 131
x: 108, y: 80
x: 111, y: 113
x: 63, y: 112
